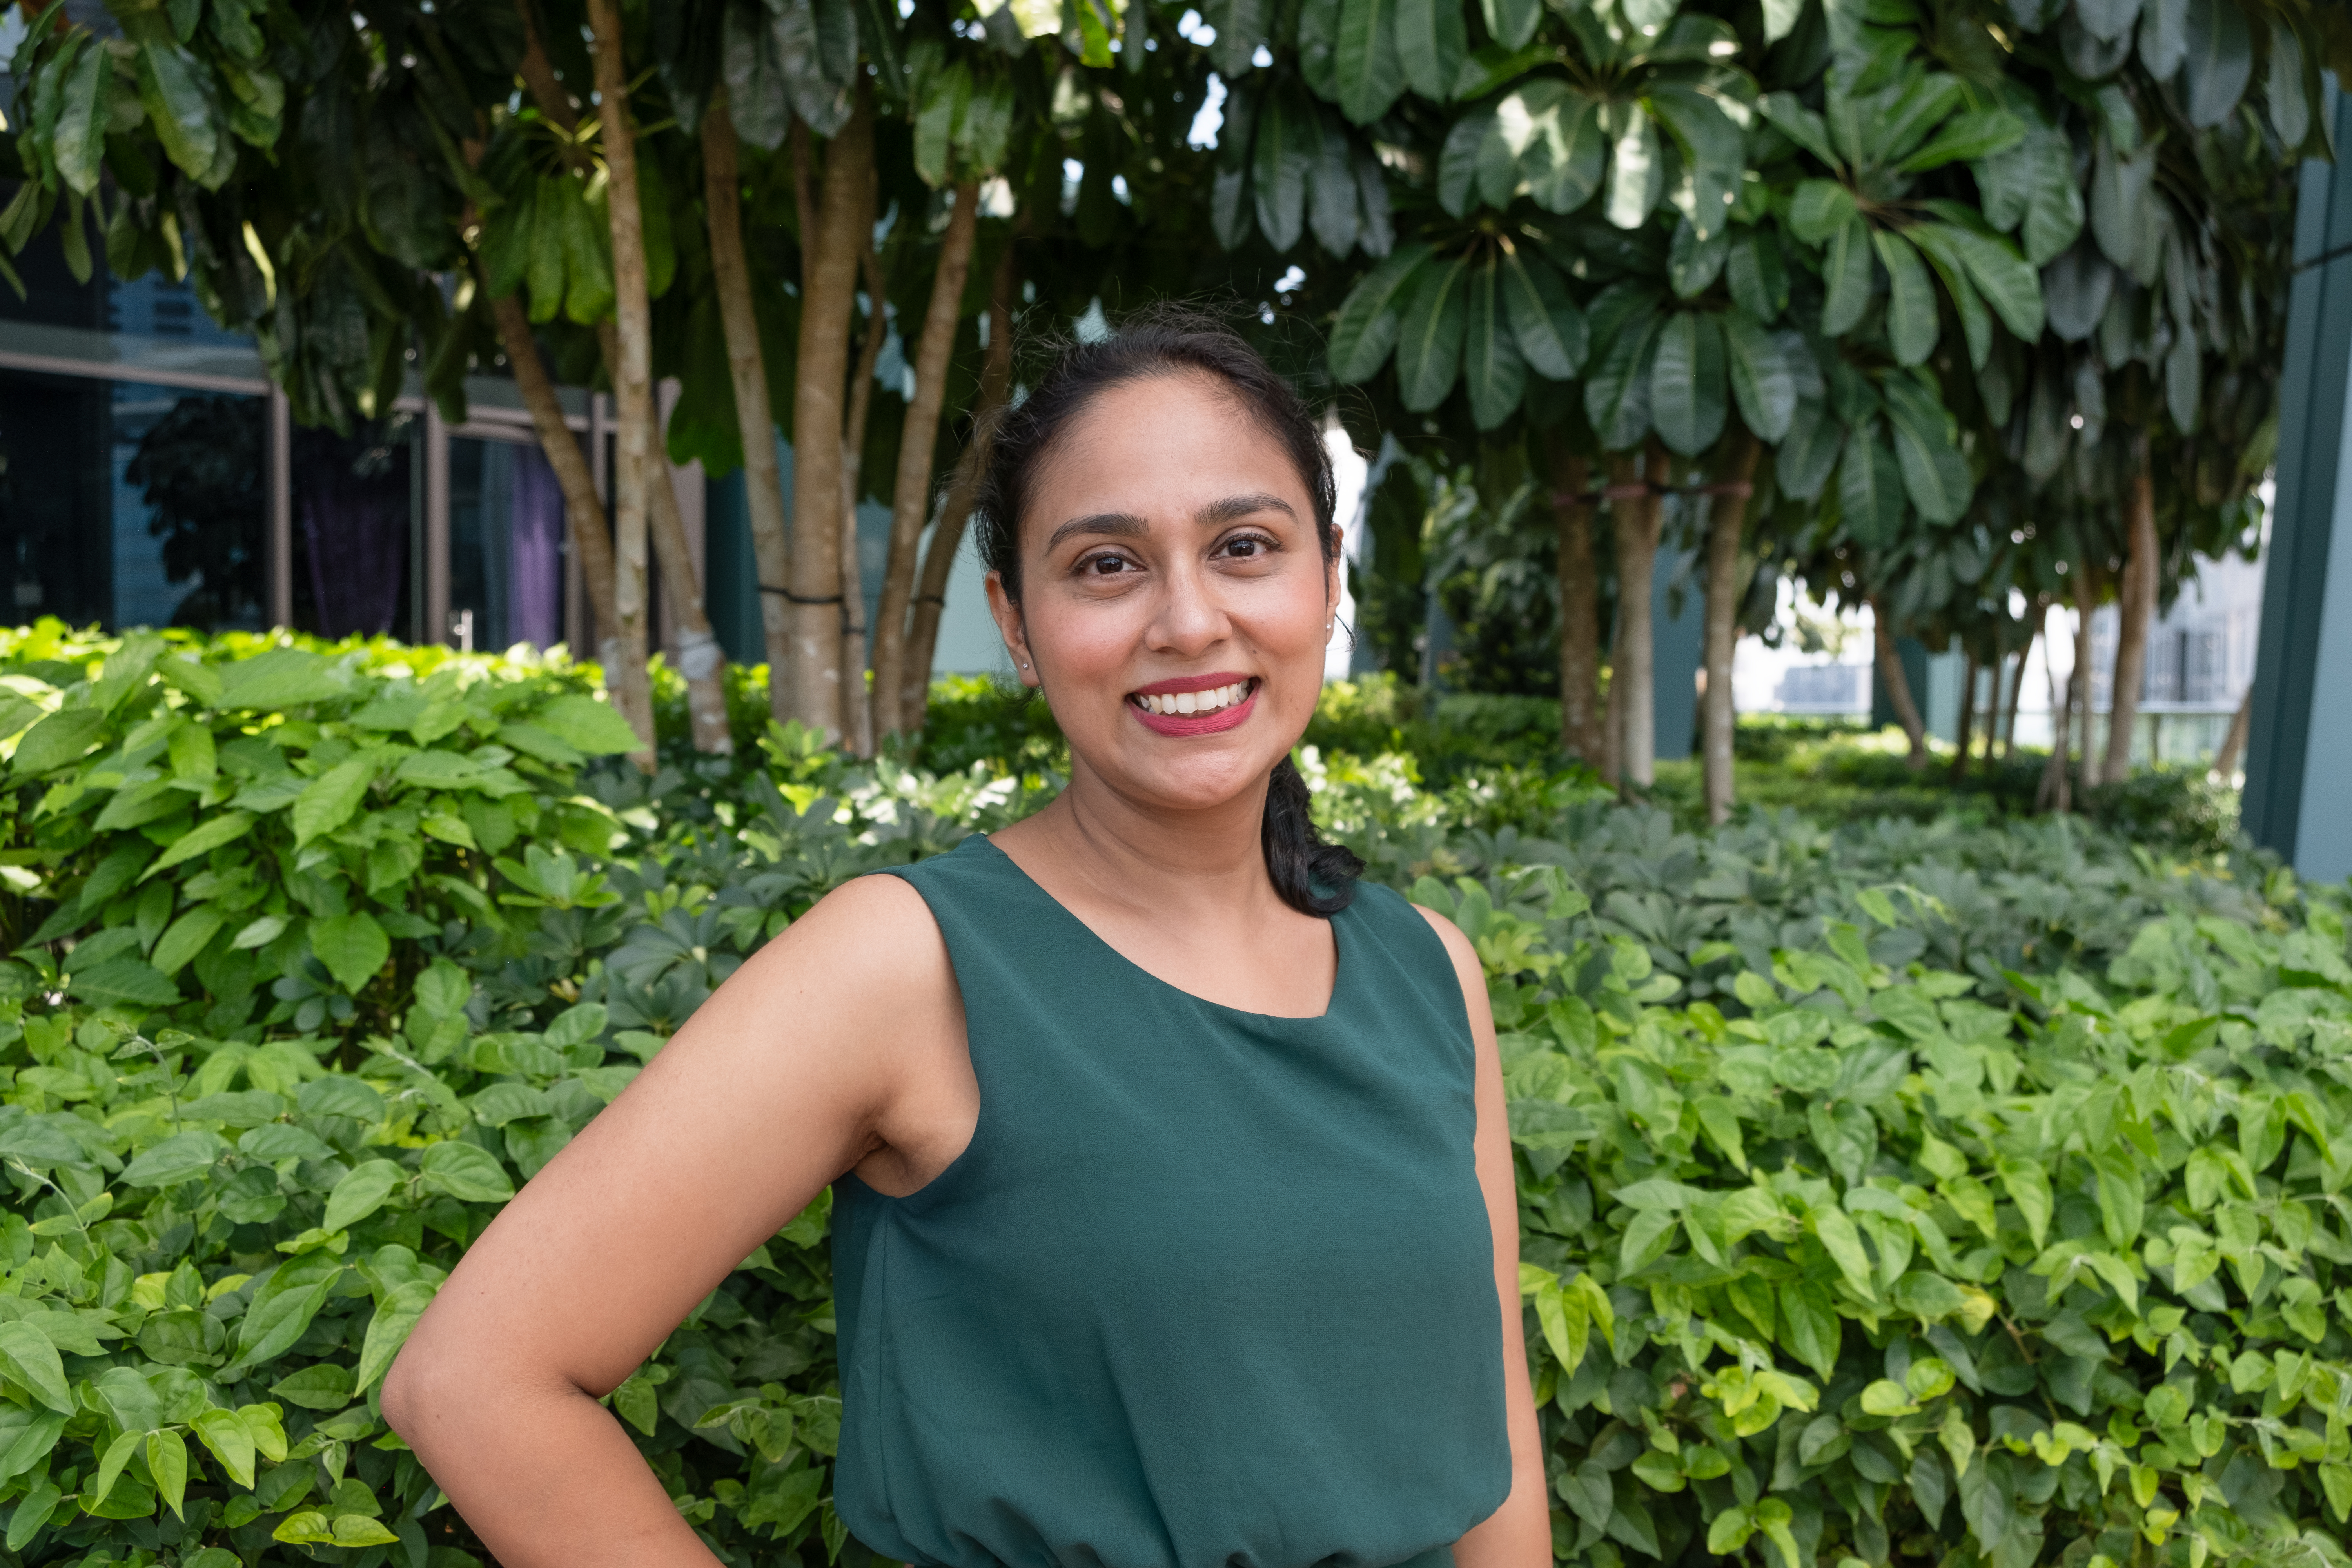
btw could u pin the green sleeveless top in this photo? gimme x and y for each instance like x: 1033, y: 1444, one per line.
x: 1208, y: 1288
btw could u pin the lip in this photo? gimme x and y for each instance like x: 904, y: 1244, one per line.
x: 1185, y: 724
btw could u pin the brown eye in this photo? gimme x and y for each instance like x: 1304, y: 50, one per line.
x: 1246, y: 548
x: 1105, y: 566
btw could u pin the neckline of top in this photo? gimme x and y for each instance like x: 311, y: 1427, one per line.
x: 1341, y: 968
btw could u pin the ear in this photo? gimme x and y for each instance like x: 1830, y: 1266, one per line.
x: 1013, y: 628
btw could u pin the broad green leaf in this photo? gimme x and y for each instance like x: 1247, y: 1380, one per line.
x: 27, y: 1437
x: 123, y: 980
x: 172, y: 88
x: 179, y: 1158
x: 1241, y: 25
x: 354, y: 947
x: 1843, y: 1244
x: 1371, y: 75
x: 167, y: 1462
x: 1761, y: 382
x: 1870, y: 489
x: 586, y: 725
x: 1818, y: 209
x: 1693, y: 263
x: 32, y: 1364
x: 1975, y: 323
x: 1617, y: 395
x: 1289, y: 143
x: 1978, y: 133
x: 389, y: 1329
x: 2028, y: 1185
x: 111, y: 1465
x: 1713, y: 150
x: 1473, y: 142
x: 1810, y: 1324
x: 326, y: 1386
x: 1789, y: 115
x: 222, y: 1432
x: 1847, y: 270
x: 1687, y: 382
x: 1431, y: 42
x: 283, y: 1306
x: 1552, y: 331
x: 1511, y: 23
x: 331, y: 798
x: 466, y: 1173
x: 1637, y: 169
x: 2218, y: 62
x: 78, y: 144
x: 1757, y: 275
x: 1555, y: 137
x: 1934, y: 475
x: 187, y: 937
x: 1912, y: 326
x: 1492, y: 370
x: 2163, y: 36
x: 2107, y: 20
x: 1334, y: 204
x: 2003, y: 278
x: 360, y: 1192
x: 64, y: 736
x: 2283, y: 85
x: 1429, y: 341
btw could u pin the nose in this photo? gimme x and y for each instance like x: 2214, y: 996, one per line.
x: 1189, y: 618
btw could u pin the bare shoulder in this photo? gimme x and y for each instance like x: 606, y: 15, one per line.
x: 869, y: 931
x: 1457, y: 946
x: 1467, y: 969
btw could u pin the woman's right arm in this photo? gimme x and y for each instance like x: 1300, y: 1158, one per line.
x: 823, y: 1049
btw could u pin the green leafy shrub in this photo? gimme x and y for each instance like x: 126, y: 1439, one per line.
x: 1910, y: 1192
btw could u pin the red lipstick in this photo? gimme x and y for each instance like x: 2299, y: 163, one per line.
x: 1183, y: 724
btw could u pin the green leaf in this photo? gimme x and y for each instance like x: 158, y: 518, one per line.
x: 1818, y: 209
x: 1933, y: 472
x: 1371, y: 75
x: 2219, y: 63
x: 1241, y: 25
x: 1617, y: 395
x: 1474, y: 141
x: 1788, y: 114
x: 331, y: 799
x: 1847, y: 270
x: 123, y: 980
x: 466, y: 1173
x: 1492, y: 370
x: 2005, y: 279
x: 64, y: 736
x: 167, y: 1462
x: 2028, y: 1185
x: 1760, y: 380
x: 1554, y: 137
x: 396, y: 1316
x: 1290, y: 140
x: 1911, y: 327
x: 1334, y: 204
x: 1934, y: 241
x: 1693, y: 263
x: 2283, y: 85
x: 283, y: 1306
x: 1870, y: 489
x: 187, y: 937
x: 1511, y: 23
x: 1811, y: 1329
x: 1637, y: 166
x: 182, y: 1157
x: 1843, y: 1244
x: 231, y: 1444
x: 79, y: 140
x: 1978, y: 133
x: 1431, y: 44
x: 112, y: 1465
x: 360, y: 1192
x: 587, y: 725
x: 1429, y: 344
x: 1686, y: 383
x: 32, y: 1364
x: 354, y: 947
x: 326, y: 1386
x: 1758, y: 276
x: 1552, y: 331
x: 171, y: 90
x: 1713, y: 149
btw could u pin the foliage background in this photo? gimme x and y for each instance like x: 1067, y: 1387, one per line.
x: 1912, y: 1192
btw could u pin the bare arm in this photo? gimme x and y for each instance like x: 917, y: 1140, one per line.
x: 820, y: 1052
x: 1517, y: 1534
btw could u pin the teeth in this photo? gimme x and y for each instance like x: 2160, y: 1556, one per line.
x: 1207, y: 701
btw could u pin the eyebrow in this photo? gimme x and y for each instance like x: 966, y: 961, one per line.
x: 1126, y: 525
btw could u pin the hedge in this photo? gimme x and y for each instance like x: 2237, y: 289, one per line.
x: 1901, y: 1193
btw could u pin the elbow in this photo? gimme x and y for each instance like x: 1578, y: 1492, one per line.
x: 410, y: 1390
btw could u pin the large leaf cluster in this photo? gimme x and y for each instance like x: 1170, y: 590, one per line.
x: 1885, y: 1191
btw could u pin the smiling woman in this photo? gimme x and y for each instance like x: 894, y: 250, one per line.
x: 1174, y: 1222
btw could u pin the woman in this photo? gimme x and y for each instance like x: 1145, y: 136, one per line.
x: 1174, y: 1222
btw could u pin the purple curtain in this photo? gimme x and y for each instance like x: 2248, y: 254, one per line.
x: 535, y: 552
x: 354, y: 520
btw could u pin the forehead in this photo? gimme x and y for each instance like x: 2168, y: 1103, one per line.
x: 1164, y: 444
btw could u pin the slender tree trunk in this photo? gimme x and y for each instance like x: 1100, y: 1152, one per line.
x: 829, y: 296
x: 1580, y: 606
x: 584, y: 524
x: 2054, y: 794
x: 2233, y: 743
x: 764, y: 485
x: 1636, y: 513
x: 1612, y: 708
x: 633, y: 383
x: 2086, y: 600
x: 699, y: 658
x: 1718, y: 715
x: 2135, y: 608
x: 857, y: 709
x: 971, y: 464
x: 1968, y: 715
x: 917, y: 448
x: 2017, y: 690
x: 1899, y: 686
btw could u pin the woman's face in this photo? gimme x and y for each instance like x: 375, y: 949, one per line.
x: 1175, y: 601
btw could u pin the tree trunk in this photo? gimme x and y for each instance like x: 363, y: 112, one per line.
x: 1718, y: 715
x: 1898, y: 688
x: 1579, y: 607
x: 2234, y: 744
x: 1634, y: 505
x: 584, y: 524
x: 2135, y: 608
x: 1612, y: 711
x: 2053, y: 793
x: 857, y: 709
x: 1969, y: 714
x: 971, y: 464
x: 2017, y: 691
x: 764, y: 485
x: 699, y: 658
x: 828, y: 297
x: 633, y: 384
x: 918, y: 448
x: 2086, y: 600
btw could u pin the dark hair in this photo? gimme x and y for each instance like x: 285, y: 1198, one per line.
x: 1311, y: 876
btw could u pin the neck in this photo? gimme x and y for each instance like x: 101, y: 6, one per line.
x: 1145, y: 856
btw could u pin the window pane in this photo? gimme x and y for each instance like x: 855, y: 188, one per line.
x: 355, y: 525
x: 505, y: 542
